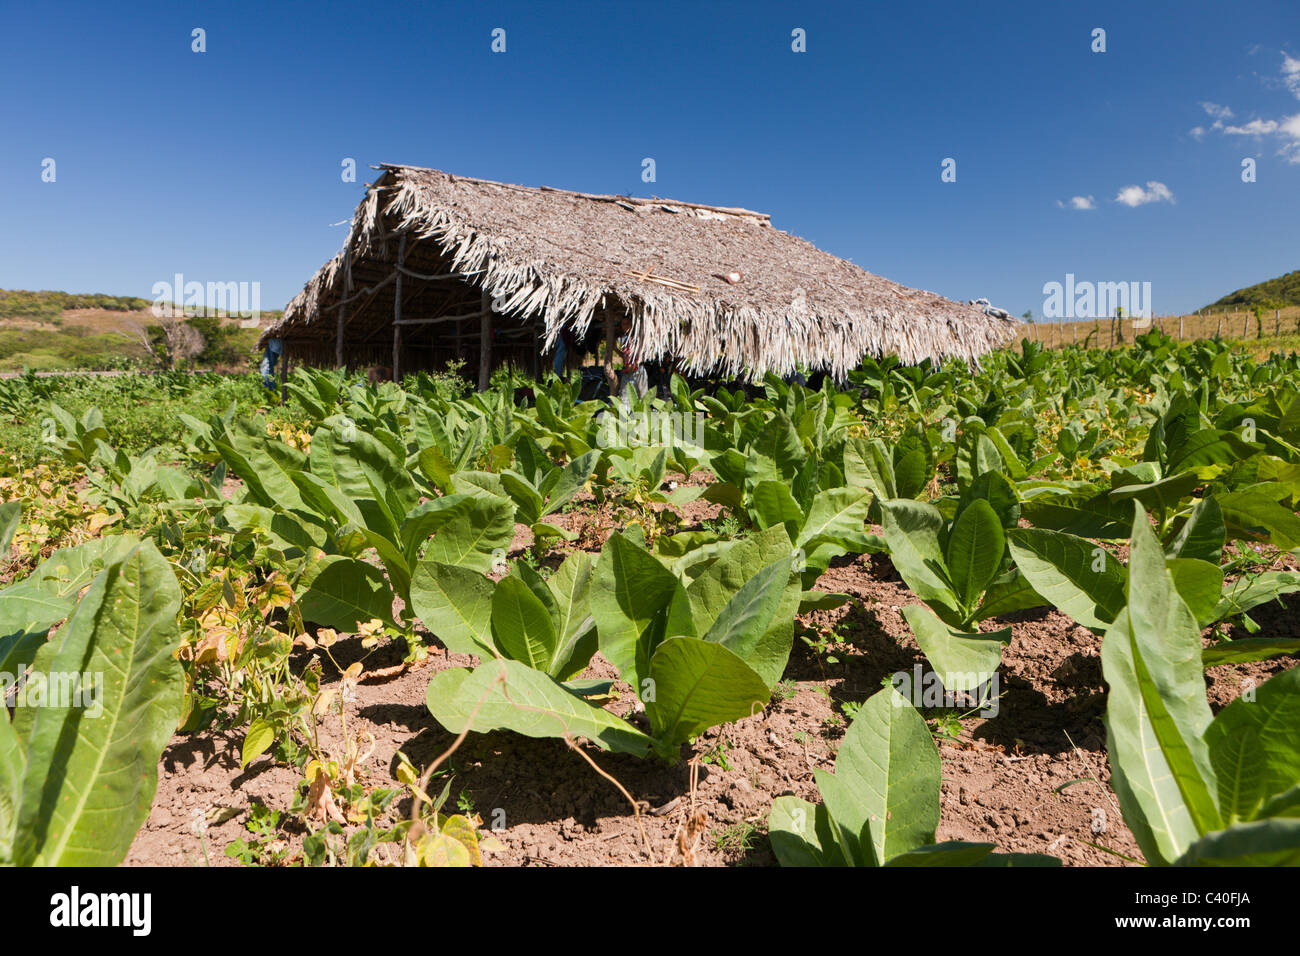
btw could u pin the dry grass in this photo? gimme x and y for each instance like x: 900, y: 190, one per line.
x: 1240, y: 326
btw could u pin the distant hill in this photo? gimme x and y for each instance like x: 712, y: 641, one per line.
x: 64, y: 330
x: 1282, y: 291
x: 46, y: 305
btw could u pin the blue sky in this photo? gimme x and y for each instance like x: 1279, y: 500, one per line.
x: 225, y: 165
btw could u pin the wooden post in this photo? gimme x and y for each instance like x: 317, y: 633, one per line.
x: 534, y: 357
x: 1218, y: 328
x: 1180, y: 328
x: 343, y: 309
x: 397, y: 311
x: 1277, y: 323
x: 1245, y: 326
x: 338, y: 336
x: 611, y: 340
x: 485, y: 342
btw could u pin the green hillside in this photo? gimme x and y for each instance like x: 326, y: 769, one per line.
x: 1275, y: 293
x: 51, y: 330
x: 48, y: 305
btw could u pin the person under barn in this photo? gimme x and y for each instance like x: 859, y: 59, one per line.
x: 274, y: 350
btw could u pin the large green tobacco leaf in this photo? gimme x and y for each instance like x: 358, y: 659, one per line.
x: 1199, y: 584
x: 695, y: 685
x: 1249, y: 649
x: 1161, y: 495
x: 570, y: 588
x: 912, y: 531
x: 89, y: 780
x: 974, y: 553
x: 1081, y: 579
x: 343, y: 593
x: 636, y: 602
x: 868, y: 464
x: 834, y: 525
x: 31, y: 607
x: 1201, y: 534
x: 480, y: 484
x: 475, y: 535
x: 1253, y: 746
x: 425, y: 520
x: 1273, y: 842
x: 994, y: 488
x: 745, y: 624
x: 455, y: 604
x: 1093, y: 518
x: 962, y: 660
x: 330, y: 503
x: 773, y: 504
x: 1210, y: 446
x: 364, y: 469
x: 10, y: 514
x: 885, y: 787
x: 522, y: 627
x: 527, y: 499
x: 1255, y: 513
x: 802, y: 834
x: 713, y: 590
x: 266, y: 466
x: 13, y: 764
x: 1156, y: 712
x: 507, y: 695
x: 1009, y: 592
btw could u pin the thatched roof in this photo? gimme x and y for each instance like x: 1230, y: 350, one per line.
x: 568, y: 258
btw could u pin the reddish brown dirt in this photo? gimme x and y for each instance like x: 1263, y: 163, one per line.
x: 1033, y: 778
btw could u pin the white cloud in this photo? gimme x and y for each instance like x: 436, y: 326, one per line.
x: 1289, y: 128
x: 1291, y: 74
x: 1286, y: 131
x: 1255, y: 127
x: 1137, y: 196
x: 1082, y: 202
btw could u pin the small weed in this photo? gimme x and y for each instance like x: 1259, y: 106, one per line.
x: 737, y: 838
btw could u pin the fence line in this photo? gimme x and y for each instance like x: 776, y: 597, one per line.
x: 1114, y: 330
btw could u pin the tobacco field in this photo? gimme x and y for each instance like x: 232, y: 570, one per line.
x: 1032, y: 614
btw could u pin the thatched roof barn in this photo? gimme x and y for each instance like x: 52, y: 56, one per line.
x: 436, y: 264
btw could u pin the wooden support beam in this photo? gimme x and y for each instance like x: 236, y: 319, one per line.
x: 434, y: 278
x: 534, y: 358
x: 397, y: 312
x: 611, y: 341
x: 485, y: 342
x: 478, y: 313
x: 343, y: 309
